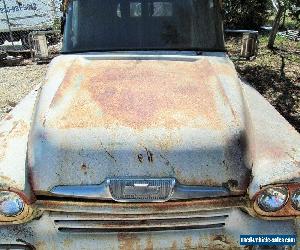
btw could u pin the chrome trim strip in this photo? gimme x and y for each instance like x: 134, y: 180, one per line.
x: 87, y: 191
x: 196, y: 192
x: 103, y: 191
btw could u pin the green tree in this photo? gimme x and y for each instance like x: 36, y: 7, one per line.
x: 246, y: 14
x: 294, y: 8
x: 281, y: 7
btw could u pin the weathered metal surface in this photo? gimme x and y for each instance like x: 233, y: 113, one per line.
x: 142, y: 208
x: 44, y: 234
x: 137, y: 94
x: 14, y: 130
x: 146, y: 115
x: 115, y: 115
x: 273, y: 144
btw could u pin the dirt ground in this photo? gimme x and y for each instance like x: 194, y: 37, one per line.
x: 280, y: 88
x: 16, y: 82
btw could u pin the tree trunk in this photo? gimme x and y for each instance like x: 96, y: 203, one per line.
x: 275, y: 27
x: 284, y: 19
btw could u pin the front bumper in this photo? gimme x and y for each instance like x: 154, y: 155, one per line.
x: 176, y: 225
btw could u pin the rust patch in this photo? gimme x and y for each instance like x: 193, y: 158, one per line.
x: 40, y: 245
x: 129, y: 241
x: 174, y: 245
x: 6, y: 182
x: 138, y: 94
x: 8, y: 117
x: 221, y: 242
x: 4, y: 178
x: 19, y: 128
x: 273, y: 151
x: 67, y: 243
x: 148, y: 208
x: 149, y: 244
x: 188, y: 243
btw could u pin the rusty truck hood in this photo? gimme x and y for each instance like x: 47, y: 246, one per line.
x: 102, y: 116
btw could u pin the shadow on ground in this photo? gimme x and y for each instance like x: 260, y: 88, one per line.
x: 283, y: 93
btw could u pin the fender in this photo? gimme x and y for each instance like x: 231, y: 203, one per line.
x: 273, y: 144
x: 14, y: 132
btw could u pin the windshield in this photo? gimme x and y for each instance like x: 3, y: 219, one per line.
x: 110, y: 25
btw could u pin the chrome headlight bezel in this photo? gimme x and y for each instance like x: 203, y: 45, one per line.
x: 295, y: 197
x: 288, y: 210
x: 273, y: 199
x: 11, y: 204
x: 21, y: 211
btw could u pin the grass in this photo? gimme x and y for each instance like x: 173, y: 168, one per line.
x: 290, y: 23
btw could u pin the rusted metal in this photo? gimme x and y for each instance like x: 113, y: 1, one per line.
x: 43, y: 234
x: 129, y: 94
x: 175, y: 116
x: 141, y: 208
x: 145, y: 116
x: 150, y: 116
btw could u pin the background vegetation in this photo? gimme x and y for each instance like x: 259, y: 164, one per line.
x: 242, y: 14
x: 274, y: 72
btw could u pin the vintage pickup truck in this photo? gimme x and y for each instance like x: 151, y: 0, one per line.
x: 144, y: 137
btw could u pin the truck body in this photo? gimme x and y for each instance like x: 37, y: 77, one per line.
x: 143, y: 136
x: 25, y: 16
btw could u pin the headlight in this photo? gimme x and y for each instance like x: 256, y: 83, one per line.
x: 272, y: 199
x: 296, y: 199
x: 10, y: 204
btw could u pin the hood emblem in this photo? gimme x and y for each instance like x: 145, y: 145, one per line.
x: 141, y: 189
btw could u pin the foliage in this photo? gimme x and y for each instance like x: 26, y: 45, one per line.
x: 291, y: 9
x: 264, y: 73
x: 294, y: 8
x: 246, y: 14
x: 282, y: 7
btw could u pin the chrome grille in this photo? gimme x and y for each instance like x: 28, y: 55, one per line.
x: 107, y: 223
x: 141, y: 190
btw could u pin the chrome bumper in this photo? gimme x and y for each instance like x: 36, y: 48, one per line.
x: 209, y: 229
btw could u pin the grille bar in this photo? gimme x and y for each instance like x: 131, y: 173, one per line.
x: 133, y: 230
x: 140, y: 223
x: 97, y: 216
x: 88, y: 223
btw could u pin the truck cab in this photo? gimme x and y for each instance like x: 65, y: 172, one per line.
x: 143, y: 136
